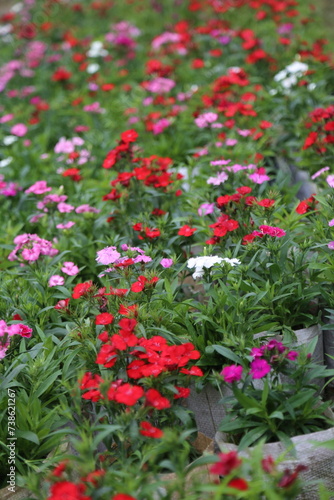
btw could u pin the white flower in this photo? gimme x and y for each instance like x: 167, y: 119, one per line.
x: 290, y: 74
x: 9, y: 139
x: 96, y: 50
x: 199, y: 263
x: 92, y: 68
x: 5, y: 162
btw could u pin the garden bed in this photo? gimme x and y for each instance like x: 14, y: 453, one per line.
x: 166, y: 254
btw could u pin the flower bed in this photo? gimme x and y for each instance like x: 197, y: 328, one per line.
x: 156, y: 243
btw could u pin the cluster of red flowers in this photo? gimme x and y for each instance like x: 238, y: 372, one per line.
x: 307, y: 205
x: 322, y: 119
x: 152, y: 171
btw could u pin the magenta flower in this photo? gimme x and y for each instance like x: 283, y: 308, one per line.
x: 272, y: 231
x: 70, y: 268
x: 331, y: 245
x: 232, y: 373
x: 292, y: 355
x: 56, y: 280
x: 166, y: 263
x: 259, y: 368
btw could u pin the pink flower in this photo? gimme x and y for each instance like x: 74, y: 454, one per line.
x: 259, y: 177
x: 40, y: 187
x: 160, y: 126
x: 331, y: 223
x: 166, y: 263
x: 108, y: 255
x: 231, y: 142
x: 65, y: 208
x: 292, y: 355
x: 6, y: 118
x: 19, y: 130
x: 86, y: 208
x: 330, y: 180
x: 220, y: 179
x: 206, y: 209
x: 319, y: 172
x: 65, y: 226
x: 160, y: 85
x: 331, y: 245
x: 56, y: 280
x: 70, y: 268
x: 232, y: 373
x: 272, y: 231
x: 259, y: 368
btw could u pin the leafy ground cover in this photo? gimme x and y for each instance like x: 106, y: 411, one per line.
x: 155, y: 240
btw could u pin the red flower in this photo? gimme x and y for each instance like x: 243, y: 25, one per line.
x: 65, y: 490
x: 129, y: 136
x: 266, y: 203
x: 194, y: 370
x: 239, y: 484
x: 155, y: 399
x: 146, y: 429
x: 152, y: 233
x: 183, y: 392
x: 310, y: 140
x: 290, y: 476
x: 81, y: 289
x: 129, y: 394
x: 58, y: 471
x: 104, y: 319
x: 226, y: 464
x: 268, y: 464
x: 93, y: 477
x: 61, y: 74
x: 186, y: 231
x: 137, y: 287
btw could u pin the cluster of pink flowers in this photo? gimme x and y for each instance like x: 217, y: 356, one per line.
x: 110, y: 255
x: 29, y: 247
x: 7, y: 331
x: 8, y: 188
x: 264, y: 359
x: 68, y: 268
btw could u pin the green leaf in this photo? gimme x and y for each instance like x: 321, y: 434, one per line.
x: 47, y: 384
x: 28, y: 435
x: 227, y: 353
x: 252, y: 436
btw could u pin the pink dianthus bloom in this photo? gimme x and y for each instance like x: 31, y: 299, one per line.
x: 65, y: 208
x: 65, y: 226
x: 272, y: 231
x: 319, y: 172
x: 232, y: 373
x: 331, y: 245
x: 19, y: 130
x: 86, y: 208
x: 56, y: 280
x: 40, y: 187
x: 330, y: 180
x: 108, y: 255
x: 259, y: 368
x: 206, y: 209
x: 166, y: 263
x: 70, y: 268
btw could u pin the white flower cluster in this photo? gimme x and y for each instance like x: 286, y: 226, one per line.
x: 199, y: 263
x: 96, y: 49
x: 289, y: 75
